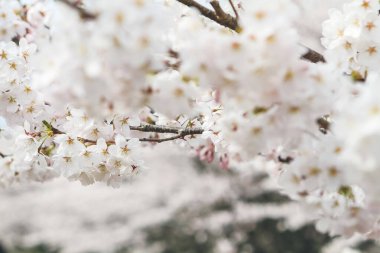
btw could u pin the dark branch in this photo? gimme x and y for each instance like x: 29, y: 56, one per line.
x: 55, y: 130
x: 158, y: 140
x: 225, y: 20
x: 166, y: 129
x: 85, y: 15
x: 313, y: 56
x: 179, y: 132
x: 218, y: 9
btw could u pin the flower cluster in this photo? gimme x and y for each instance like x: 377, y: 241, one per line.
x: 352, y: 36
x: 12, y: 21
x: 111, y: 158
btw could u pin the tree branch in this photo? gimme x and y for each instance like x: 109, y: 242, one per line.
x: 2, y: 155
x: 166, y: 129
x: 158, y: 140
x: 218, y: 9
x: 225, y: 19
x: 179, y: 132
x: 85, y: 15
x: 313, y: 56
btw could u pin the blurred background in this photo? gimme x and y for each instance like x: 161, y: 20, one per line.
x: 179, y: 206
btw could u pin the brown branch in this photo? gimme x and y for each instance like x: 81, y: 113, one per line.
x: 218, y: 9
x: 56, y: 131
x: 179, y: 132
x: 2, y: 155
x: 313, y: 56
x: 225, y: 20
x: 166, y: 129
x: 85, y: 15
x: 158, y: 140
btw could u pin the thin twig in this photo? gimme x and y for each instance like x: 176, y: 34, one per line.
x: 158, y: 140
x: 85, y: 15
x: 234, y: 9
x: 2, y: 155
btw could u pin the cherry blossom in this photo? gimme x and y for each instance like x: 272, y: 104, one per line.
x: 85, y: 86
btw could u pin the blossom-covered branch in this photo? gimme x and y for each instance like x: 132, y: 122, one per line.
x: 178, y: 131
x: 226, y: 20
x: 218, y: 15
